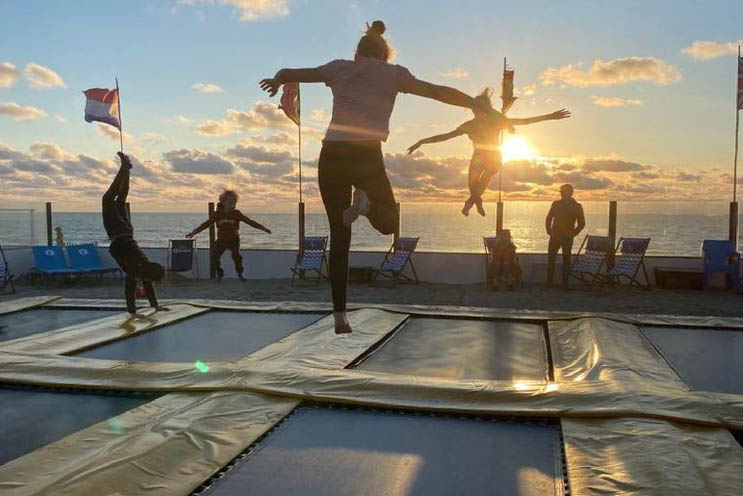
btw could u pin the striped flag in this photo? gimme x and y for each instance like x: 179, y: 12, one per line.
x: 740, y: 83
x: 102, y: 105
x: 507, y: 90
x: 290, y: 101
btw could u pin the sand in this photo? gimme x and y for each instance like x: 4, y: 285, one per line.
x: 533, y: 297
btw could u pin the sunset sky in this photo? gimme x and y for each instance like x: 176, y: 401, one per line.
x: 651, y: 86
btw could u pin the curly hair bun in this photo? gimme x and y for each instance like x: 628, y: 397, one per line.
x: 377, y: 27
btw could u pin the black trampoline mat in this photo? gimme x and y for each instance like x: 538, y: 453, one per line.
x: 213, y: 336
x: 28, y: 322
x: 32, y: 419
x: 329, y: 452
x: 464, y: 349
x: 706, y: 359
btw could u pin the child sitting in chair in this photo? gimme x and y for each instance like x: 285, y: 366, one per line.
x: 503, y: 261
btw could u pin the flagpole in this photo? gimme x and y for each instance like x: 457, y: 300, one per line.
x: 118, y: 101
x: 500, y: 176
x: 299, y: 135
x: 737, y: 120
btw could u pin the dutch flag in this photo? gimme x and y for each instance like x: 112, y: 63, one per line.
x: 102, y: 105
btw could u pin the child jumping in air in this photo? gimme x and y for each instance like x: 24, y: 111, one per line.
x: 124, y: 249
x: 484, y: 131
x: 228, y: 219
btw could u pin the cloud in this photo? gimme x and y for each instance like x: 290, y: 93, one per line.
x: 319, y: 115
x: 529, y: 89
x: 19, y: 112
x: 457, y: 73
x: 197, y: 162
x: 8, y: 75
x: 207, y: 88
x: 50, y: 151
x: 611, y: 72
x: 612, y: 165
x: 42, y: 77
x: 584, y: 181
x: 111, y: 132
x: 261, y: 116
x: 60, y: 119
x: 278, y: 139
x: 263, y: 161
x: 613, y: 101
x: 645, y: 175
x: 250, y: 10
x: 704, y: 50
x: 686, y: 177
x: 153, y: 138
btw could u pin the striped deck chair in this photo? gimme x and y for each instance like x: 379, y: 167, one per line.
x: 397, y: 259
x: 6, y: 278
x: 629, y: 257
x: 591, y: 258
x: 311, y: 258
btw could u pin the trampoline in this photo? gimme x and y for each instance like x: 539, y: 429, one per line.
x: 705, y: 359
x: 330, y: 451
x: 37, y: 320
x: 33, y: 418
x: 464, y: 349
x: 213, y: 336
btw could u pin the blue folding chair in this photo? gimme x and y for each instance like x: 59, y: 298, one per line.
x: 397, y: 259
x: 311, y: 258
x: 6, y: 278
x: 50, y: 261
x: 84, y: 259
x: 720, y: 256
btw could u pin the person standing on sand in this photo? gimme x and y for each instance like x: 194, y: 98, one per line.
x: 564, y: 221
x: 364, y: 92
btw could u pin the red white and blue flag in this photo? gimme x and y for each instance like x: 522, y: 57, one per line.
x: 102, y: 105
x: 290, y: 101
x: 740, y: 83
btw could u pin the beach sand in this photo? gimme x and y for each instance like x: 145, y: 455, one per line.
x: 531, y: 297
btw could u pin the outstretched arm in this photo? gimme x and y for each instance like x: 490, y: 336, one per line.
x: 443, y: 94
x: 309, y: 75
x: 436, y: 139
x: 560, y: 114
x: 201, y: 227
x: 256, y: 225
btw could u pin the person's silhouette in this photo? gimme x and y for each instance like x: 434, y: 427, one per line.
x: 564, y: 221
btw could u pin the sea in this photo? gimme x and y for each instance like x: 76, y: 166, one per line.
x: 675, y: 228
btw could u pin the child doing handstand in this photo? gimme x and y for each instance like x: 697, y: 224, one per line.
x: 484, y: 131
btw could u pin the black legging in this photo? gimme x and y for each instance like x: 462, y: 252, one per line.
x: 115, y: 217
x: 360, y: 164
x: 232, y: 244
x: 564, y: 243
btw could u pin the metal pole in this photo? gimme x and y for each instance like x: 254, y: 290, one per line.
x: 33, y: 227
x: 733, y: 224
x: 301, y: 228
x: 396, y: 234
x: 212, y: 268
x: 612, y: 232
x: 499, y: 218
x: 299, y: 135
x: 737, y: 120
x: 118, y: 101
x: 49, y: 223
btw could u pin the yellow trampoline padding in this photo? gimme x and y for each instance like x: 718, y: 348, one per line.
x: 18, y: 304
x: 636, y: 456
x: 166, y: 447
x: 605, y: 350
x: 87, y: 334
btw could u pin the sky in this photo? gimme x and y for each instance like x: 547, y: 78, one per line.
x: 651, y: 88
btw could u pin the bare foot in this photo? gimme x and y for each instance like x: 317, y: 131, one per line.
x: 467, y: 206
x: 342, y: 326
x: 359, y: 206
x: 480, y: 208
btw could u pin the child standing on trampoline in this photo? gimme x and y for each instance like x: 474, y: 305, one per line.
x: 124, y: 249
x: 484, y: 132
x: 228, y: 219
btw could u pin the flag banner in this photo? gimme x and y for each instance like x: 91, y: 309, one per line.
x: 740, y: 83
x: 507, y: 90
x: 102, y: 105
x: 290, y: 101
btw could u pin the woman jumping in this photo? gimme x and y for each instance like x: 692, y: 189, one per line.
x: 228, y: 219
x: 364, y: 92
x: 484, y: 131
x: 124, y: 249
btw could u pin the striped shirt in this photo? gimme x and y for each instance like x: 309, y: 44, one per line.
x: 364, y: 93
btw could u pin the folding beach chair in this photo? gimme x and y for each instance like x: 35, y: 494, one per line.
x: 720, y: 256
x: 592, y: 255
x: 84, y: 259
x: 182, y: 257
x: 491, y: 243
x: 311, y: 258
x: 397, y: 258
x: 6, y: 278
x: 50, y: 261
x: 629, y: 257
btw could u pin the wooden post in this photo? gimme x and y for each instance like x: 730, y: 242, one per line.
x: 301, y: 218
x: 499, y: 217
x: 49, y: 223
x: 733, y: 224
x: 396, y: 234
x: 212, y: 237
x: 612, y: 231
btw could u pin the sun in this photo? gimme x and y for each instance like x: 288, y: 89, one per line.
x: 517, y: 148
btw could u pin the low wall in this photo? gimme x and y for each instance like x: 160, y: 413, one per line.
x: 433, y: 267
